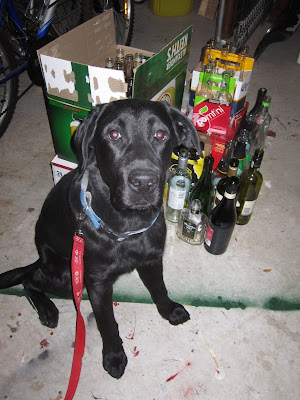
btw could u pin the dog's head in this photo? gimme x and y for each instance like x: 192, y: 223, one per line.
x: 131, y: 142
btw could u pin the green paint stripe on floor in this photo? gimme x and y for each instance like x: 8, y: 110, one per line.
x: 274, y: 303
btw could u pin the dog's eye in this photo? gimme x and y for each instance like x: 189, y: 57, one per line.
x: 160, y: 135
x: 114, y: 135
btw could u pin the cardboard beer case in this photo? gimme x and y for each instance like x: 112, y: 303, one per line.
x: 76, y: 79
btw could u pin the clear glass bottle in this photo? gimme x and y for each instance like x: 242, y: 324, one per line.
x: 223, y: 62
x: 250, y: 184
x: 262, y: 124
x: 222, y: 220
x: 204, y: 190
x: 251, y: 116
x: 232, y: 171
x: 223, y: 96
x: 242, y: 57
x: 203, y: 88
x: 178, y: 187
x: 192, y: 224
x: 138, y: 59
x: 109, y: 63
x: 245, y: 136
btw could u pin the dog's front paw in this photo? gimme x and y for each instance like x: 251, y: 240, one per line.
x: 175, y: 313
x: 115, y: 363
x: 179, y: 315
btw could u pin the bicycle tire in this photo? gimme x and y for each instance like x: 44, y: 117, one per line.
x: 68, y: 15
x: 9, y: 89
x: 124, y: 28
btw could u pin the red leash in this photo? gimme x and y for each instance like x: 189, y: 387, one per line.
x: 77, y: 279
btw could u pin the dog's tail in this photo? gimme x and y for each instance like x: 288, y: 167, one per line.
x: 16, y: 276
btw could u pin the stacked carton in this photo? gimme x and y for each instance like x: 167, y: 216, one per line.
x: 76, y: 78
x: 219, y: 122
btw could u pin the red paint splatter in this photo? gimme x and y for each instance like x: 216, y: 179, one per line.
x: 19, y: 314
x: 116, y: 304
x: 44, y: 343
x: 174, y: 376
x: 135, y: 352
x: 132, y: 333
x: 217, y: 371
x: 51, y: 333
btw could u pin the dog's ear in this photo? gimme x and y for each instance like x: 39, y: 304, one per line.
x: 184, y: 131
x: 84, y: 135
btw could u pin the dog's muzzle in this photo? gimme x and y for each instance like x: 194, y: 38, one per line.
x: 143, y: 181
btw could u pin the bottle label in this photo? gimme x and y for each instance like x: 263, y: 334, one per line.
x: 218, y: 198
x: 189, y: 229
x: 248, y: 208
x: 209, y: 235
x: 176, y: 198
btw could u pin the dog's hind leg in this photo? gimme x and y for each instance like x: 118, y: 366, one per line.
x: 46, y: 309
x: 152, y: 276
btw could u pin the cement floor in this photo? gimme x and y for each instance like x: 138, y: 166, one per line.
x: 243, y: 339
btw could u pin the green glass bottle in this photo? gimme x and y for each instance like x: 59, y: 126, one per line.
x: 250, y: 184
x: 203, y: 190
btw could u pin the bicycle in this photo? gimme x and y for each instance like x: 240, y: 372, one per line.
x: 26, y: 28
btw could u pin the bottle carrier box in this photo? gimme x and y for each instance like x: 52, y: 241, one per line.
x: 239, y: 83
x: 76, y: 79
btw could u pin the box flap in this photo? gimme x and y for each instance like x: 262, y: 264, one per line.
x: 160, y: 69
x: 83, y: 43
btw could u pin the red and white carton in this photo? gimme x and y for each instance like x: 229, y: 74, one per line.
x: 211, y: 117
x: 61, y: 167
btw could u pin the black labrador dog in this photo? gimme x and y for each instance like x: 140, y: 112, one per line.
x: 116, y: 192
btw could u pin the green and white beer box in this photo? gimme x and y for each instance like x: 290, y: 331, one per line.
x: 76, y: 79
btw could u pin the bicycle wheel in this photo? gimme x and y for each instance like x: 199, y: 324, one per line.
x: 9, y: 89
x: 124, y: 20
x: 68, y: 15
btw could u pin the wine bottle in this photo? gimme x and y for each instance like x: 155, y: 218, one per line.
x: 240, y: 153
x: 203, y: 190
x: 179, y: 186
x: 250, y: 184
x: 222, y: 220
x: 262, y: 122
x: 192, y: 224
x: 221, y: 186
x: 251, y: 116
x: 222, y: 168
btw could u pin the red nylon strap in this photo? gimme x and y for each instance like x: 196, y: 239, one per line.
x: 77, y: 280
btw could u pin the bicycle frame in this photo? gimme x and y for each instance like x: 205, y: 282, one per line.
x: 44, y: 18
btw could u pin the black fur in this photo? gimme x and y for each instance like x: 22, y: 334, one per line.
x: 126, y: 180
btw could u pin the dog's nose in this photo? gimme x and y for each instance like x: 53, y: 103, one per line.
x: 143, y: 181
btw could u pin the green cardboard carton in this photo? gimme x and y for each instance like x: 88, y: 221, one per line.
x: 76, y: 78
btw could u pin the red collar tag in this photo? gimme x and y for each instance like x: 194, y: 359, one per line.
x: 77, y: 280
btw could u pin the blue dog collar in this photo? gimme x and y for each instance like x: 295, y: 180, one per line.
x: 86, y: 202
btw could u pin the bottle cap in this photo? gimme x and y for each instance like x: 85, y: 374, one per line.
x: 232, y: 185
x: 234, y: 162
x: 240, y: 150
x: 257, y: 157
x: 248, y: 125
x: 196, y: 205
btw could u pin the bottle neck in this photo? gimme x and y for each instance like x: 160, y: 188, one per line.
x: 232, y: 172
x: 229, y: 196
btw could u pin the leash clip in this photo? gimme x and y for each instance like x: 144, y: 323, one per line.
x: 81, y: 217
